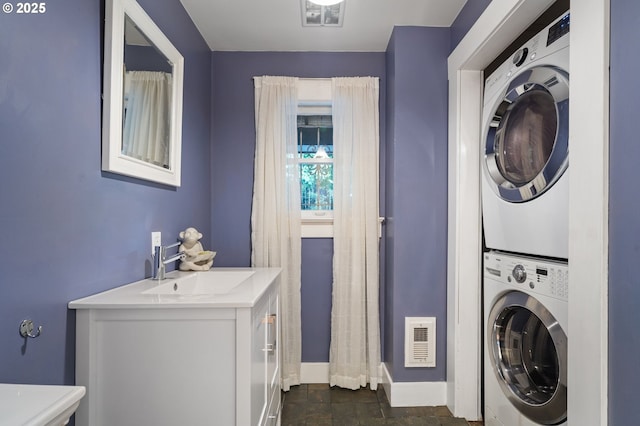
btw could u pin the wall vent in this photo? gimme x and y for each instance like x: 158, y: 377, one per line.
x: 420, y: 342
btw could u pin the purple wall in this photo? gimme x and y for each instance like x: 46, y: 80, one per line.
x: 75, y: 230
x: 232, y: 152
x: 317, y: 258
x: 624, y: 224
x: 70, y: 229
x: 465, y: 19
x: 416, y: 184
x: 145, y: 58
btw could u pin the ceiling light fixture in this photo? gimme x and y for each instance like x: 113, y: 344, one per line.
x: 326, y: 2
x: 322, y: 13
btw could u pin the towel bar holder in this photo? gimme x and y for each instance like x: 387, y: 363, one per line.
x: 26, y: 329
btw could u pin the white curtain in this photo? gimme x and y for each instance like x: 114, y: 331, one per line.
x: 355, y: 324
x: 146, y: 128
x: 275, y: 214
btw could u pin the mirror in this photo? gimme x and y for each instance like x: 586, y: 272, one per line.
x: 142, y: 109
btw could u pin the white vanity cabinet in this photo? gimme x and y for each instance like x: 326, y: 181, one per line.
x: 263, y: 357
x: 162, y: 359
x: 272, y: 364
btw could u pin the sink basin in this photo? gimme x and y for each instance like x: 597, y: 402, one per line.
x: 209, y: 282
x: 38, y: 405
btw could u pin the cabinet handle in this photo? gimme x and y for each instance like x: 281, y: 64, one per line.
x: 270, y: 348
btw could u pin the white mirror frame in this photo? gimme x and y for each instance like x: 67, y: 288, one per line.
x: 112, y: 158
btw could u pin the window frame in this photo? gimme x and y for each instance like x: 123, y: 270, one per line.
x: 320, y: 215
x: 314, y: 98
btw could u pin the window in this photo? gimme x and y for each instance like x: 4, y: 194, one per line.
x: 315, y: 155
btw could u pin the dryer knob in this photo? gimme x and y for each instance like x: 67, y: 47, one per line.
x: 520, y: 56
x: 519, y: 273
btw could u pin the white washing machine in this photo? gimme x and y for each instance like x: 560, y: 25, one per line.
x: 525, y: 341
x: 525, y: 136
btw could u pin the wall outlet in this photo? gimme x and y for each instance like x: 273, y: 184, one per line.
x: 156, y: 240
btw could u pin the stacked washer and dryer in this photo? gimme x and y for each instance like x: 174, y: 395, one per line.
x: 525, y: 203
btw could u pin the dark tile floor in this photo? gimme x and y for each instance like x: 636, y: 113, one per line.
x: 320, y: 405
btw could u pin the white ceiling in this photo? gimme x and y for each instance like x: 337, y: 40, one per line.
x: 276, y: 25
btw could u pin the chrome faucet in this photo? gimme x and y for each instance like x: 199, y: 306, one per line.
x: 160, y: 260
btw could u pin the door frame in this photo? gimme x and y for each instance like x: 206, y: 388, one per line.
x: 501, y: 22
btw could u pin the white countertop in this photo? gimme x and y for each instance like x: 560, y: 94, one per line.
x: 37, y: 405
x: 130, y: 296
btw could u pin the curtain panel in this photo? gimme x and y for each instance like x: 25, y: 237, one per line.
x: 355, y: 324
x: 275, y: 213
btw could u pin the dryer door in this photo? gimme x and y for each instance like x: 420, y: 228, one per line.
x: 526, y: 145
x: 528, y: 353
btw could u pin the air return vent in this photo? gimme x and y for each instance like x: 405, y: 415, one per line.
x: 420, y: 342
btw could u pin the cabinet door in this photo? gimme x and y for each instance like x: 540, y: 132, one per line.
x: 259, y: 382
x: 273, y: 358
x: 274, y: 408
x: 273, y: 350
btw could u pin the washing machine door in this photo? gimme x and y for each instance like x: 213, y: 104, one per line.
x: 527, y: 143
x: 528, y: 353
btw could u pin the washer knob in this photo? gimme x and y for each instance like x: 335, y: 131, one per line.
x: 519, y: 273
x: 520, y: 56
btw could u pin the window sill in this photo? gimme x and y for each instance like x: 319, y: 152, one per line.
x: 323, y: 227
x: 317, y: 228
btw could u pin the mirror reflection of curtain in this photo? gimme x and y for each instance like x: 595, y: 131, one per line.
x: 146, y: 127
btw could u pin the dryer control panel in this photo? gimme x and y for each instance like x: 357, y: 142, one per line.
x: 542, y: 276
x: 548, y: 41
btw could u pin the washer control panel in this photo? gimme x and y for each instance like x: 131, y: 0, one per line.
x: 543, y: 276
x: 519, y: 273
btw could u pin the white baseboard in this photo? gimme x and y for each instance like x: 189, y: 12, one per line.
x: 318, y: 372
x: 401, y: 394
x: 413, y: 394
x: 314, y: 372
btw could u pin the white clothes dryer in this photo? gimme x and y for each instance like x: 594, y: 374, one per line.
x: 525, y: 148
x: 525, y: 340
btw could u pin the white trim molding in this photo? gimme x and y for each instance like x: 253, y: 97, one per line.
x: 399, y: 394
x: 588, y: 213
x: 321, y: 227
x: 314, y: 372
x: 499, y: 25
x: 413, y: 394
